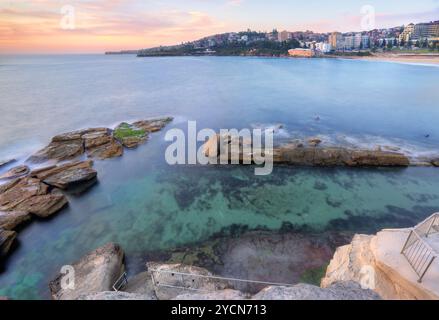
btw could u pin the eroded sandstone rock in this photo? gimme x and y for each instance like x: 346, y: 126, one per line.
x: 66, y: 175
x: 9, y: 220
x: 96, y: 272
x: 15, y: 172
x: 19, y: 191
x: 32, y: 196
x: 43, y: 206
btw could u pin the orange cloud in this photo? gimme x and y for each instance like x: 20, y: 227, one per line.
x: 98, y: 26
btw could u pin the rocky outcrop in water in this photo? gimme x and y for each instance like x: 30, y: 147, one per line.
x: 39, y: 192
x: 96, y: 272
x: 98, y: 143
x: 300, y: 154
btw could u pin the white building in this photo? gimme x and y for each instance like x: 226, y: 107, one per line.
x: 323, y: 47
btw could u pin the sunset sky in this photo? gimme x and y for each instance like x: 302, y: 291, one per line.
x: 44, y: 26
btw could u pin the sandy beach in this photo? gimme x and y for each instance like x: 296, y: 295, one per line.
x: 403, y: 58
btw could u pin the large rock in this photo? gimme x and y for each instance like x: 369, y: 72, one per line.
x: 111, y: 149
x: 19, y: 191
x: 435, y: 162
x: 43, y: 206
x: 66, y: 175
x: 15, y: 172
x: 338, y: 291
x: 59, y: 150
x: 98, y: 142
x: 102, y: 145
x: 297, y: 154
x: 377, y: 262
x: 6, y: 239
x: 30, y: 195
x: 9, y: 220
x: 96, y: 272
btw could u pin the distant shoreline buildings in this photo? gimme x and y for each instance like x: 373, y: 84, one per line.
x: 280, y: 43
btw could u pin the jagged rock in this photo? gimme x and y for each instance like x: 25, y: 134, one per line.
x: 15, y: 172
x: 5, y: 162
x: 102, y: 145
x: 59, y: 150
x: 113, y: 295
x: 19, y: 191
x: 96, y: 139
x: 43, y: 206
x: 314, y: 142
x: 8, y: 185
x: 67, y: 175
x: 339, y: 291
x: 7, y: 237
x: 111, y: 149
x: 297, y: 154
x: 153, y: 125
x: 30, y: 195
x: 9, y: 220
x: 435, y: 162
x: 78, y: 134
x: 166, y: 276
x: 96, y: 272
x: 73, y: 144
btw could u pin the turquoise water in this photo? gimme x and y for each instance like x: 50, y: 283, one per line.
x: 146, y: 205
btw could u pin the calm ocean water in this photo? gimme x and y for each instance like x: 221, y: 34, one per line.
x: 144, y: 204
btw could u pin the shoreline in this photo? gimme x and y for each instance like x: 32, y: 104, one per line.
x: 415, y: 59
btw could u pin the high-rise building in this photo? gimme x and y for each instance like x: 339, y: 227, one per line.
x: 420, y: 31
x: 426, y: 30
x: 349, y: 42
x: 284, y: 36
x: 336, y: 40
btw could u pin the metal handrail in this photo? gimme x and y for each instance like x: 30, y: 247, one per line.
x: 419, y: 254
x: 120, y: 282
x: 189, y: 285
